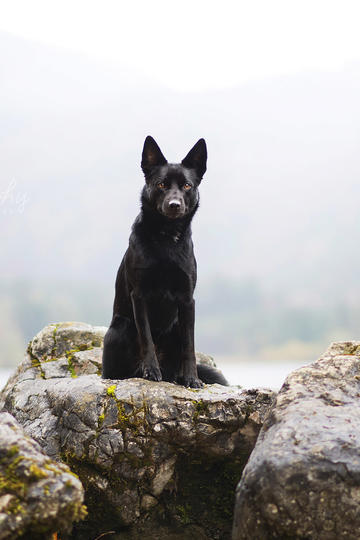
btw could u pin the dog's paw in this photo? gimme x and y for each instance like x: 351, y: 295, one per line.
x: 152, y: 373
x: 192, y: 382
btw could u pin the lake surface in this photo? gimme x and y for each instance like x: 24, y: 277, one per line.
x: 246, y: 374
x: 257, y: 374
x: 4, y: 375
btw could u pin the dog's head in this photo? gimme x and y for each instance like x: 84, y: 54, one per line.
x: 172, y: 188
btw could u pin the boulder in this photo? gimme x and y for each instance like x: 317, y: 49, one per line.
x: 303, y: 477
x: 37, y: 495
x: 157, y: 460
x: 67, y: 349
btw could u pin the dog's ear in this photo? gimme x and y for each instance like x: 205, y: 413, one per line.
x: 196, y: 158
x: 151, y: 155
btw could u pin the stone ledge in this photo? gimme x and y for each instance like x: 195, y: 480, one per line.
x: 303, y: 477
x: 156, y: 459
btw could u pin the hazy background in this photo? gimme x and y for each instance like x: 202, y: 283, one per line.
x: 273, y: 87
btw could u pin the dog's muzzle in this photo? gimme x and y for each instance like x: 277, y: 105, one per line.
x: 173, y: 208
x: 175, y: 204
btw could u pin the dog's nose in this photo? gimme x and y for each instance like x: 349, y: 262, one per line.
x: 174, y: 203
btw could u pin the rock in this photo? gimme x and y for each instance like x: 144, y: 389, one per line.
x: 157, y: 460
x: 37, y: 495
x: 303, y: 477
x: 67, y: 349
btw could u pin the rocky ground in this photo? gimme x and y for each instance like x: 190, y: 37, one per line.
x: 37, y: 494
x: 156, y: 460
x: 160, y: 461
x: 303, y: 477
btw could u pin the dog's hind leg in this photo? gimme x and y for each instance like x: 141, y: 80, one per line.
x: 120, y: 354
x: 210, y: 375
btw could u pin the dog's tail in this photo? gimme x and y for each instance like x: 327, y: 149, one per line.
x: 211, y: 375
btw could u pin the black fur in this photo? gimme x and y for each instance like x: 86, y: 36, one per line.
x: 151, y: 334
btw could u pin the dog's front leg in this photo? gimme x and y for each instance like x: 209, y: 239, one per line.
x: 149, y: 367
x: 188, y: 363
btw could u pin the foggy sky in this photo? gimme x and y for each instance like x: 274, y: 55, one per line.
x: 280, y: 200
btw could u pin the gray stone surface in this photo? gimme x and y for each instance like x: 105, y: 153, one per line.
x: 303, y: 477
x: 157, y: 460
x: 67, y: 349
x: 37, y: 495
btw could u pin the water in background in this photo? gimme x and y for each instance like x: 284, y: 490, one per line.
x: 4, y: 375
x: 246, y: 374
x: 257, y: 374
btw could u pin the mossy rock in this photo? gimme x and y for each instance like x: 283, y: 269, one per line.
x: 38, y: 496
x: 156, y: 460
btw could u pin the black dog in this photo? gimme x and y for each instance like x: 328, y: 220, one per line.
x: 151, y: 334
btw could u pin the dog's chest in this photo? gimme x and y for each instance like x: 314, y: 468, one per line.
x: 169, y: 279
x: 174, y: 237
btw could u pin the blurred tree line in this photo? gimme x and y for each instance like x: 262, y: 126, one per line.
x: 234, y: 318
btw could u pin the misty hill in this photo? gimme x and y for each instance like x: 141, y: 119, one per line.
x: 279, y: 203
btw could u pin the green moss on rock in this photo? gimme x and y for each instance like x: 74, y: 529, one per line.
x: 111, y: 390
x: 201, y: 408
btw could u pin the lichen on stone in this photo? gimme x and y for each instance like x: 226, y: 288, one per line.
x: 152, y: 456
x: 37, y: 495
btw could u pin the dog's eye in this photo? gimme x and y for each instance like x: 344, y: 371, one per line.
x: 187, y: 186
x: 161, y: 185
